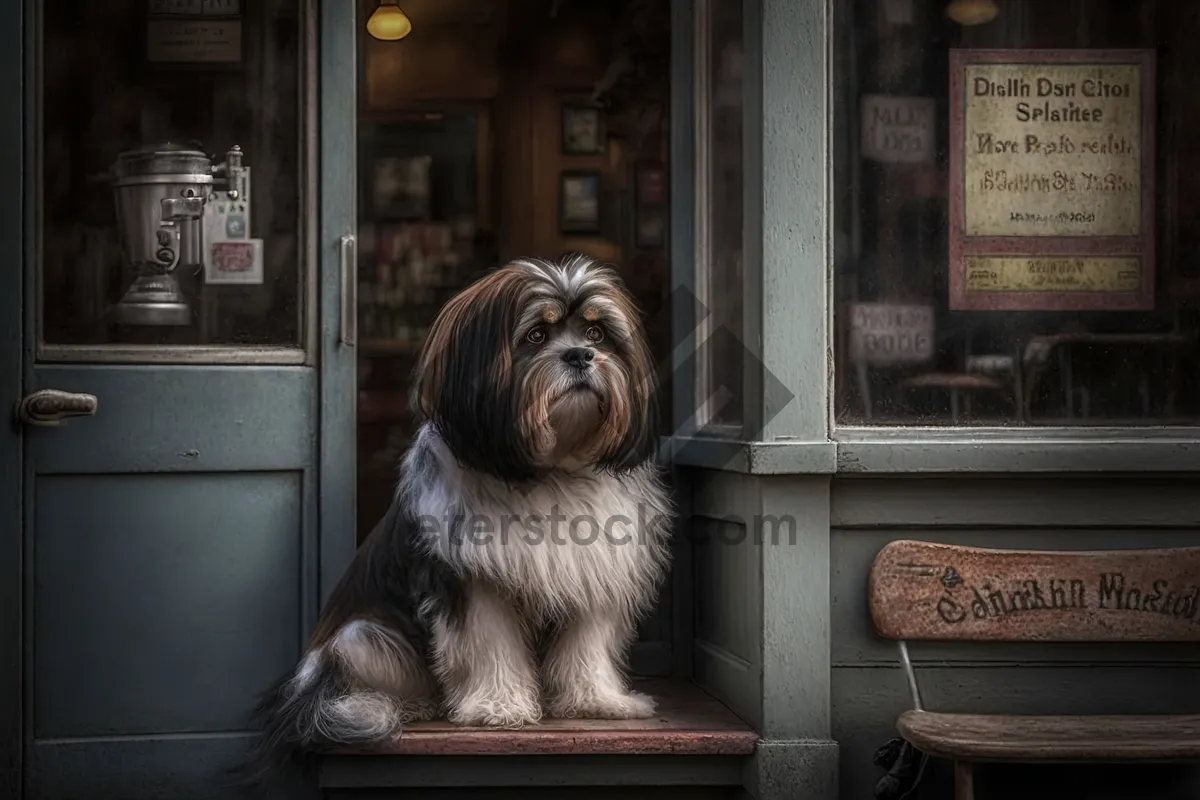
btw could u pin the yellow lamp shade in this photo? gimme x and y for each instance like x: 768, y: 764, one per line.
x: 388, y: 22
x: 972, y: 12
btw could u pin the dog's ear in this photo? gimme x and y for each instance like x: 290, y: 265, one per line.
x: 464, y: 380
x: 629, y: 436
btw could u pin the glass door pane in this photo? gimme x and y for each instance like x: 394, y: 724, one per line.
x: 172, y: 178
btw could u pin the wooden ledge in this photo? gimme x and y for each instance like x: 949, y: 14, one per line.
x: 689, y: 722
x: 987, y: 737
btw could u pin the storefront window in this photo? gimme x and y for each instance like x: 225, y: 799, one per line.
x: 720, y: 225
x: 172, y: 189
x: 1016, y: 197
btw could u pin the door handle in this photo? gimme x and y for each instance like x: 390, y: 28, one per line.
x: 49, y: 407
x: 348, y: 262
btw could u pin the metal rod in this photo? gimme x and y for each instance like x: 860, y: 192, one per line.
x: 913, y: 689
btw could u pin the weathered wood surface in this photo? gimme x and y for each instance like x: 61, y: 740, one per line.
x: 689, y: 722
x: 939, y: 592
x: 983, y: 737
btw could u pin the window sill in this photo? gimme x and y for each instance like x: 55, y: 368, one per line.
x: 751, y: 458
x: 1025, y: 450
x: 950, y: 450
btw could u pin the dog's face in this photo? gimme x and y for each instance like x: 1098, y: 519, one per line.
x: 540, y: 365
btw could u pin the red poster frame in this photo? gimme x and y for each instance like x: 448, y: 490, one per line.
x: 961, y: 245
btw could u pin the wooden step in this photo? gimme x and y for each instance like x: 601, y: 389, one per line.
x: 689, y: 722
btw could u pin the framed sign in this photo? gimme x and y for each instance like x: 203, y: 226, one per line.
x: 234, y: 262
x: 401, y: 187
x: 194, y: 41
x: 579, y: 202
x: 898, y: 130
x: 889, y: 334
x: 651, y: 184
x: 582, y: 130
x: 651, y: 227
x: 1051, y: 180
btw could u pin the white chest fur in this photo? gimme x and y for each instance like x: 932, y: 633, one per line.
x: 571, y: 541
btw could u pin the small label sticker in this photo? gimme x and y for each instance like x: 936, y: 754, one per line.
x: 235, y: 226
x: 235, y: 262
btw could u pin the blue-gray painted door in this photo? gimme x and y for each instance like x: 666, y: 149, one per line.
x: 175, y: 544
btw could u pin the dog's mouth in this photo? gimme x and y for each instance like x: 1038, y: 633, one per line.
x: 577, y: 390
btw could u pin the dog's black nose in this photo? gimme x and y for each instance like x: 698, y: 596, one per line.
x: 579, y: 357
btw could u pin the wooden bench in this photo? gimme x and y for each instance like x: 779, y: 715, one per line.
x: 920, y: 591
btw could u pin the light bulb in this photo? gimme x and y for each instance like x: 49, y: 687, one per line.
x: 972, y: 12
x: 388, y: 22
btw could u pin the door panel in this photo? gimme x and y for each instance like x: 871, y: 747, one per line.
x: 161, y: 768
x: 182, y: 601
x: 169, y: 418
x: 174, y: 550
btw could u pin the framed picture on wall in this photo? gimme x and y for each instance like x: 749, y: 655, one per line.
x: 400, y: 187
x: 650, y: 183
x: 579, y: 201
x: 651, y: 226
x: 582, y: 130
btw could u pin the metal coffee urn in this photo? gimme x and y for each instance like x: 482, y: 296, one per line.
x: 161, y: 193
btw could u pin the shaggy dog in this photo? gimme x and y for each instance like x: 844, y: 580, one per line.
x: 527, y: 535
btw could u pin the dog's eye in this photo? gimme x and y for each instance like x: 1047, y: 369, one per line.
x: 594, y: 334
x: 536, y: 336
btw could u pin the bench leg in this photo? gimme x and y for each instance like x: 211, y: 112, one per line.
x: 964, y: 781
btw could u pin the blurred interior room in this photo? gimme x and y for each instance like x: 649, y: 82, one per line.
x: 492, y: 131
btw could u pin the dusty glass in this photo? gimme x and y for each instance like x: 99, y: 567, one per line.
x: 1015, y: 213
x: 721, y: 228
x: 170, y: 176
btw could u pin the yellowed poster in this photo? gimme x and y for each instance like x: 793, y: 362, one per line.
x: 1052, y: 173
x: 1053, y: 274
x: 1052, y: 150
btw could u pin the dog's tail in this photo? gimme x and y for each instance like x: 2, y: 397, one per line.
x: 314, y: 709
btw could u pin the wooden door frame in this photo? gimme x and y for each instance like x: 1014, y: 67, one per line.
x: 12, y: 267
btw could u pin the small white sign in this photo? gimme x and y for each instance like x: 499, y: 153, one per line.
x: 203, y: 41
x: 238, y: 262
x: 883, y: 333
x: 898, y: 130
x: 230, y: 255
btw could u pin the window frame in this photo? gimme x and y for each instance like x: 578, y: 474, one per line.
x: 303, y: 352
x: 699, y: 417
x: 786, y: 325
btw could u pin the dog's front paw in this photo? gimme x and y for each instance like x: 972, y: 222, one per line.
x: 418, y: 709
x: 496, y: 714
x: 624, y: 705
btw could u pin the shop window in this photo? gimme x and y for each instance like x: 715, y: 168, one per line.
x: 1016, y: 206
x: 719, y: 240
x: 171, y: 179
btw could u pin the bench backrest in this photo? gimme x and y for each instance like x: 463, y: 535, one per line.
x: 938, y: 592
